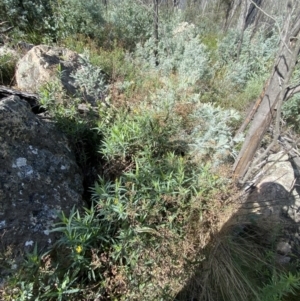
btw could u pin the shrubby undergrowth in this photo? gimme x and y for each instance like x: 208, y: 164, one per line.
x: 44, y: 21
x: 212, y: 136
x: 28, y: 16
x: 290, y: 108
x: 71, y: 17
x: 179, y: 51
x: 159, y: 135
x: 129, y: 22
x: 254, y: 59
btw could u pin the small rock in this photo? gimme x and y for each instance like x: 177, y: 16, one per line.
x: 283, y: 259
x: 284, y: 248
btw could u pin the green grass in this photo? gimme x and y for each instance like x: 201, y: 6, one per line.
x: 7, y: 69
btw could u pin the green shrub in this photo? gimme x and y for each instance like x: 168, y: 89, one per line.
x: 280, y: 286
x: 127, y: 22
x: 291, y: 108
x: 72, y: 17
x: 27, y: 15
x: 147, y: 209
x: 128, y: 136
x: 291, y: 112
x: 115, y: 63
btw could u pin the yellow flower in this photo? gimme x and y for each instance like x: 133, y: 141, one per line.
x: 78, y: 249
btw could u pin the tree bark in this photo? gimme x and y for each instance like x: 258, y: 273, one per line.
x: 155, y: 28
x: 242, y: 24
x: 231, y: 12
x: 155, y: 20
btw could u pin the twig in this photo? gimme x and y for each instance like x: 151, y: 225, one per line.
x: 292, y: 186
x: 253, y: 110
x: 292, y: 91
x: 7, y: 30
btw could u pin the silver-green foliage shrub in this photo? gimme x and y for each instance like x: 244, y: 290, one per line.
x: 179, y: 50
x: 131, y: 21
x: 55, y: 18
x: 128, y: 21
x: 90, y: 79
x: 125, y: 21
x: 213, y: 135
x: 254, y: 58
x: 26, y: 14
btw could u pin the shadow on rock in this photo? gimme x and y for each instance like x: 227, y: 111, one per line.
x: 257, y: 242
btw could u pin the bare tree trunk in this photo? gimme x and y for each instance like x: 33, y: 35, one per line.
x: 277, y: 89
x: 231, y: 12
x: 155, y: 27
x: 105, y: 3
x: 242, y: 24
x: 155, y: 20
x: 252, y: 12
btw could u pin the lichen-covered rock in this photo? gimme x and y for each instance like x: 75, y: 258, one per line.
x: 39, y: 177
x: 4, y: 50
x: 41, y: 65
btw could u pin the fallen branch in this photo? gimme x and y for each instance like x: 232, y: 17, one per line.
x: 292, y: 91
x: 253, y: 110
x: 2, y: 23
x: 6, y: 30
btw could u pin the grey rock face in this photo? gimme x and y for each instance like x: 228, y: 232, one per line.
x: 38, y: 176
x: 275, y: 200
x: 275, y: 194
x: 40, y: 65
x: 44, y: 64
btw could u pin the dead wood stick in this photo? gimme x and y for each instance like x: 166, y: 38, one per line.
x: 253, y: 110
x: 6, y: 30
